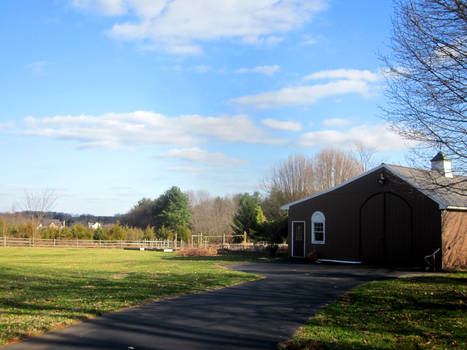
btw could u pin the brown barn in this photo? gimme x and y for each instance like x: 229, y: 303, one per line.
x: 390, y: 215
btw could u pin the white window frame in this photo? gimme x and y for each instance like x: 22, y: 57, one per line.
x: 318, y: 217
x: 304, y: 239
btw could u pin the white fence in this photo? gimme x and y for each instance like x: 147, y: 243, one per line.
x: 166, y: 244
x: 81, y: 243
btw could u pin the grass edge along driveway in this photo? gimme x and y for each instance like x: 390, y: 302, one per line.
x: 42, y: 289
x: 425, y: 312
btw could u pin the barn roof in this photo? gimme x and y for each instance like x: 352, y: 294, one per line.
x: 449, y: 193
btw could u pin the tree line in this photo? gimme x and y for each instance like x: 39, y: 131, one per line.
x: 257, y: 214
x: 178, y: 215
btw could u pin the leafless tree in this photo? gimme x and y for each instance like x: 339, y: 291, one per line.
x: 37, y: 204
x: 333, y: 167
x: 212, y: 216
x: 292, y: 178
x: 365, y: 155
x: 427, y: 76
x: 300, y: 176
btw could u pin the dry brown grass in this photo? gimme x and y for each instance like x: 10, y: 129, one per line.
x: 197, y: 252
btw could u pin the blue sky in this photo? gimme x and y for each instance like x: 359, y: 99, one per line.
x: 109, y: 101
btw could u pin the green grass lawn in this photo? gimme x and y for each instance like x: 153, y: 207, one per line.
x: 411, y: 313
x: 46, y: 288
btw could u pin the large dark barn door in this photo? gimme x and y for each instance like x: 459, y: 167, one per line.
x: 298, y: 235
x: 386, y: 230
x: 372, y: 230
x: 398, y: 230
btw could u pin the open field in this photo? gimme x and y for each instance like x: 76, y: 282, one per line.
x: 43, y: 289
x: 410, y: 313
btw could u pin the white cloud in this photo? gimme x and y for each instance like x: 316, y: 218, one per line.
x: 336, y: 122
x: 202, y: 68
x: 267, y: 70
x: 377, y: 137
x: 309, y: 40
x: 105, y: 7
x: 198, y: 155
x: 115, y: 130
x: 303, y: 95
x: 180, y: 26
x: 351, y: 74
x: 186, y: 169
x: 282, y: 125
x: 37, y: 67
x: 6, y: 125
x: 343, y: 81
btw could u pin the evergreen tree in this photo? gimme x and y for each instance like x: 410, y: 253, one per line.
x: 172, y: 209
x: 249, y: 215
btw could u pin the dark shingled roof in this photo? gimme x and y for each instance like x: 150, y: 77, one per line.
x: 448, y: 192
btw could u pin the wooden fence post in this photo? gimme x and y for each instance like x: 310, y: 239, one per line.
x: 4, y: 241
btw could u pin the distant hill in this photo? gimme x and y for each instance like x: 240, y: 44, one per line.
x: 70, y: 219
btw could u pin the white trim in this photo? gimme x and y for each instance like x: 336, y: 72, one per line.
x: 338, y: 261
x: 304, y: 238
x: 442, y: 205
x: 318, y: 217
x: 450, y: 207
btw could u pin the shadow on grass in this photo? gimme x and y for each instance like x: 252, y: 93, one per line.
x: 51, y: 299
x: 442, y: 279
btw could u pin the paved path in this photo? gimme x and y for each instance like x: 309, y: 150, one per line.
x: 254, y: 315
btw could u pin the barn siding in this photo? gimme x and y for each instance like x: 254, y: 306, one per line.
x: 454, y: 240
x: 341, y: 208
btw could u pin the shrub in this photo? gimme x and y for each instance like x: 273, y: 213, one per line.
x: 149, y: 233
x: 134, y: 233
x: 165, y: 233
x: 98, y: 234
x: 197, y: 252
x: 115, y: 232
x: 80, y: 232
x: 183, y: 233
x: 26, y: 230
x: 65, y: 233
x: 49, y: 232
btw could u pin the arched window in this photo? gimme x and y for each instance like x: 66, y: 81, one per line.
x: 318, y: 228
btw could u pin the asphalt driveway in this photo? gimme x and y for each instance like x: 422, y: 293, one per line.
x: 254, y: 315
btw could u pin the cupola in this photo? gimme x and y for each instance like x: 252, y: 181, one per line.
x: 442, y: 164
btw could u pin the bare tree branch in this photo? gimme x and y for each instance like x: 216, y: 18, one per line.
x: 427, y: 76
x: 37, y: 204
